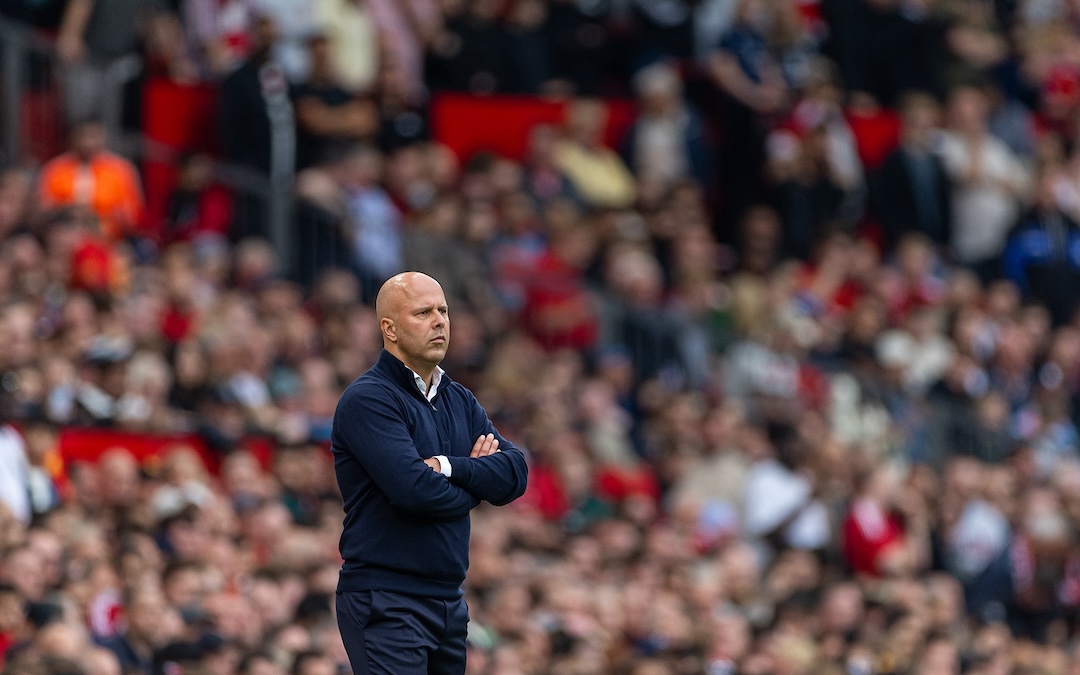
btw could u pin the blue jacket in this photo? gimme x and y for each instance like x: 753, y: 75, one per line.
x: 1042, y: 257
x: 406, y: 526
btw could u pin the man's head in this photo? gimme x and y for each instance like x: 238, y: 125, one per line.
x: 265, y: 35
x: 659, y: 88
x: 968, y: 109
x: 88, y: 139
x: 414, y: 320
x: 921, y: 114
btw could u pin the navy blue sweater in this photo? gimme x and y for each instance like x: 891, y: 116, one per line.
x: 406, y: 526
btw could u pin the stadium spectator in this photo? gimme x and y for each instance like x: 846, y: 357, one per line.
x: 199, y: 207
x: 253, y: 97
x: 529, y: 47
x: 97, y: 43
x: 1039, y: 256
x: 911, y: 192
x: 752, y: 85
x: 595, y: 171
x: 402, y: 110
x: 667, y: 143
x: 558, y: 309
x: 988, y: 183
x: 374, y: 219
x: 328, y: 115
x: 92, y: 178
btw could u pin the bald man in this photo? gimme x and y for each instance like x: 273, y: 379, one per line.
x: 414, y: 453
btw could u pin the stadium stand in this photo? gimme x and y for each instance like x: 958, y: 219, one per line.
x: 780, y: 296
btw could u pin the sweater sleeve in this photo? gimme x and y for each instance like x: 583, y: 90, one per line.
x: 499, y: 478
x: 374, y: 431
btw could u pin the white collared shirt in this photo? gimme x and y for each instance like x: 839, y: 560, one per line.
x: 436, y: 378
x: 429, y: 393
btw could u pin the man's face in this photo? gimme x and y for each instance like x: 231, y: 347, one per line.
x: 89, y: 140
x: 421, y: 322
x: 265, y: 35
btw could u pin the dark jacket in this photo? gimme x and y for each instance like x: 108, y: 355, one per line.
x: 406, y: 526
x: 892, y: 198
x: 246, y: 100
x: 1042, y: 257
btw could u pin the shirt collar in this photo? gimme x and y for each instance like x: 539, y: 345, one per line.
x: 436, y: 378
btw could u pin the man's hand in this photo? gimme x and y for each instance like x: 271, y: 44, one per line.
x: 484, y: 446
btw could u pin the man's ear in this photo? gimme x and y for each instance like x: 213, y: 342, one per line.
x: 389, y: 330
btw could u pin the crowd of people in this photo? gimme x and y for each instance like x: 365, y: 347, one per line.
x: 796, y: 364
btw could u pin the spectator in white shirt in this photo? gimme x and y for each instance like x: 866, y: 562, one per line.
x: 14, y: 474
x: 989, y: 181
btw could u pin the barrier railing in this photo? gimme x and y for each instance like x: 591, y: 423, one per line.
x: 33, y: 129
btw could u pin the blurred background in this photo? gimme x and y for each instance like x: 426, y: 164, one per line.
x: 779, y: 296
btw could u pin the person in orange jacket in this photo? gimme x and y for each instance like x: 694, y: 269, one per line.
x: 91, y: 177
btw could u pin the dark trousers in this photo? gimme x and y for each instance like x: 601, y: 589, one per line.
x: 395, y: 634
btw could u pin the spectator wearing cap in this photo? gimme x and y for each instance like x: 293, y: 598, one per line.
x: 46, y: 472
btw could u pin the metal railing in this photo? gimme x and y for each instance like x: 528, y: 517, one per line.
x: 30, y: 64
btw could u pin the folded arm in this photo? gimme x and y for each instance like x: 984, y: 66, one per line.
x: 499, y: 477
x: 374, y: 430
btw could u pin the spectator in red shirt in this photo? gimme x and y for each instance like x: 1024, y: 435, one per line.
x: 558, y: 311
x: 199, y: 206
x: 885, y: 531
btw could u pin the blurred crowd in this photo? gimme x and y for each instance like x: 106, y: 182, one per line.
x: 796, y: 363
